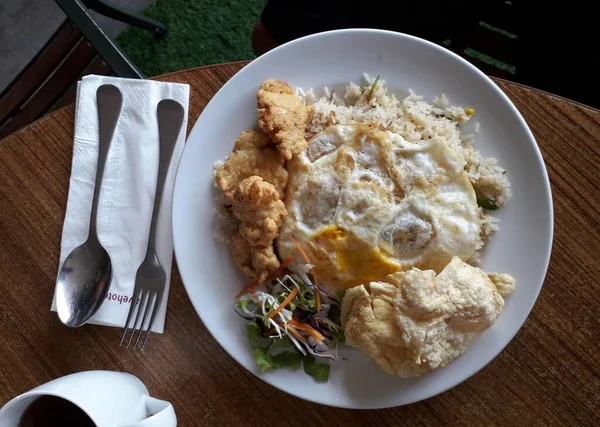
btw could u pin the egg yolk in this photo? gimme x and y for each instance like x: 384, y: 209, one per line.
x: 356, y: 262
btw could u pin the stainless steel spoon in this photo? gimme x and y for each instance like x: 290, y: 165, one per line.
x: 84, y: 278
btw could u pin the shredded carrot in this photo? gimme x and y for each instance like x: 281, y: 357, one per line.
x: 296, y: 334
x: 280, y: 324
x: 286, y: 262
x: 307, y: 260
x: 248, y: 289
x: 308, y: 329
x: 279, y: 276
x: 251, y: 288
x: 317, y: 293
x: 285, y: 302
x: 318, y: 299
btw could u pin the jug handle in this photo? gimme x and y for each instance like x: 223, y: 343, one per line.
x: 164, y: 414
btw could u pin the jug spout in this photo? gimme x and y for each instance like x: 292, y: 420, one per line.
x: 161, y: 414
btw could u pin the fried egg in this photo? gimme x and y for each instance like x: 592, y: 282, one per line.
x: 365, y: 203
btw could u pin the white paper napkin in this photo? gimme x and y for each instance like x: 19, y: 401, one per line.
x: 129, y: 185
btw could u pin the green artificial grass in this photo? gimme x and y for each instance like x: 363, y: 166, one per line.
x: 201, y: 32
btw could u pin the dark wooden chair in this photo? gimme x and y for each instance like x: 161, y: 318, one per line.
x: 77, y: 48
x: 66, y: 57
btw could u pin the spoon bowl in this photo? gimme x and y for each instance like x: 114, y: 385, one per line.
x: 83, y: 282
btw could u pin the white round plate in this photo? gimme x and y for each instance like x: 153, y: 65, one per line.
x: 521, y: 247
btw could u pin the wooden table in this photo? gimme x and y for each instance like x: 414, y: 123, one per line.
x: 548, y: 375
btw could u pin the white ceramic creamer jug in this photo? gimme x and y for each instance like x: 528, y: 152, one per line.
x: 110, y: 399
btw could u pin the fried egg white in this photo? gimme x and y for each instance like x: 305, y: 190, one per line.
x: 365, y: 203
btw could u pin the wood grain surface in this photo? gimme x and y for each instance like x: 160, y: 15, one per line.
x: 549, y: 375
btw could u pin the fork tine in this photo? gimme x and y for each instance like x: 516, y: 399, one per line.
x: 136, y: 294
x: 151, y: 298
x: 137, y: 316
x: 154, y: 311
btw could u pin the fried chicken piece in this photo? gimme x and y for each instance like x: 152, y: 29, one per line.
x: 263, y: 258
x: 257, y: 204
x: 250, y: 139
x: 253, y: 181
x: 242, y: 254
x: 282, y: 115
x: 255, y: 262
x: 251, y: 157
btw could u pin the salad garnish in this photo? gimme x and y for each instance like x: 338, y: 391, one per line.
x: 292, y: 322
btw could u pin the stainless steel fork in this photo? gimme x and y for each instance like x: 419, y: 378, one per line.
x: 151, y: 279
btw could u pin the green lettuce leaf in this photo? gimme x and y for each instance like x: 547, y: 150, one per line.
x: 285, y: 341
x: 286, y: 359
x: 262, y: 359
x: 319, y: 371
x: 254, y: 336
x: 267, y: 361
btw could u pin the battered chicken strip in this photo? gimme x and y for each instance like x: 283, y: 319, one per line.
x: 250, y: 139
x: 242, y: 254
x: 282, y: 115
x: 257, y: 204
x: 251, y: 156
x: 264, y: 260
x: 255, y: 262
